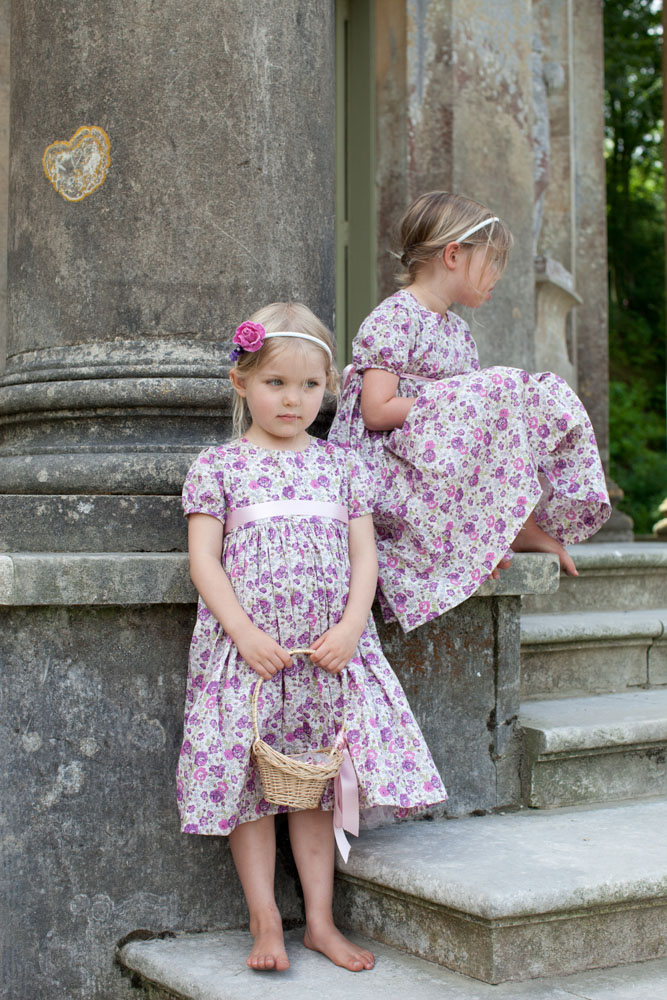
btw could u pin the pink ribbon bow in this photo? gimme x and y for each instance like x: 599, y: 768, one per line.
x: 346, y: 800
x: 346, y: 375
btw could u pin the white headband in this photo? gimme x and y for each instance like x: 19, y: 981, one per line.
x: 480, y: 225
x: 301, y: 336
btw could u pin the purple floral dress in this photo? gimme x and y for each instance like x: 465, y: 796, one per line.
x: 479, y: 450
x: 291, y: 576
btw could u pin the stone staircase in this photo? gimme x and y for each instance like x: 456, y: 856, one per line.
x: 576, y: 882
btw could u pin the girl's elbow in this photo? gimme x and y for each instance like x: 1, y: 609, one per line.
x: 371, y: 418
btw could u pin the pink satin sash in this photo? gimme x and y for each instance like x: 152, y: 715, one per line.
x: 284, y: 508
x: 349, y: 370
x: 346, y: 800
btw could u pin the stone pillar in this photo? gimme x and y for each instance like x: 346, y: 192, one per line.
x: 454, y: 93
x: 219, y: 198
x: 4, y: 164
x: 591, y: 218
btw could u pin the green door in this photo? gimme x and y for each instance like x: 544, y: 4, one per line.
x: 356, y: 240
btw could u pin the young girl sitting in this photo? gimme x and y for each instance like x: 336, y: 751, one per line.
x: 472, y: 462
x: 283, y: 556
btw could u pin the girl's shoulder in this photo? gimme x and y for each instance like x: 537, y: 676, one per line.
x: 399, y: 304
x: 218, y: 454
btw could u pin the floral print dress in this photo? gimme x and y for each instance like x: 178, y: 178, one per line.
x: 479, y: 450
x: 291, y: 575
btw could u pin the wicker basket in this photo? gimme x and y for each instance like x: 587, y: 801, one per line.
x: 291, y: 781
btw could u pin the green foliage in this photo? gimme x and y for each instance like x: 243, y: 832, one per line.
x: 635, y: 202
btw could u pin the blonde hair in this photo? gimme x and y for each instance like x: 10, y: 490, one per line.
x: 436, y: 219
x: 278, y: 316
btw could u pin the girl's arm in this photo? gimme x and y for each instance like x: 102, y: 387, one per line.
x: 335, y: 648
x: 381, y: 408
x: 258, y: 649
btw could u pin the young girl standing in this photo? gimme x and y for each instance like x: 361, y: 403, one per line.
x: 472, y: 462
x: 283, y: 556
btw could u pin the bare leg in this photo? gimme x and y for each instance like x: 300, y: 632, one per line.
x: 312, y: 839
x: 532, y: 538
x: 254, y: 851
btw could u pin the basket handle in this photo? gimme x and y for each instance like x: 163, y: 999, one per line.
x: 260, y: 681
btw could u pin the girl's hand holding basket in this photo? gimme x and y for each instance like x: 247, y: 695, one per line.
x: 335, y: 648
x: 261, y: 652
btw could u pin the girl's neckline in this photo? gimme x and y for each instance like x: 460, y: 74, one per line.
x: 431, y: 312
x: 278, y: 451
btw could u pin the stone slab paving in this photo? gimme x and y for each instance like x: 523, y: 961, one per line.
x: 212, y: 967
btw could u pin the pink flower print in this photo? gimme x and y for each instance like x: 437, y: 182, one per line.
x: 392, y: 562
x: 384, y: 790
x: 424, y: 606
x: 428, y: 786
x: 518, y: 464
x: 532, y: 422
x: 199, y: 774
x: 223, y: 824
x: 477, y: 434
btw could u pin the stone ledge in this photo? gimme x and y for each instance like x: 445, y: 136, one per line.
x: 124, y: 578
x: 580, y: 724
x: 592, y: 626
x: 620, y: 555
x: 515, y: 896
x: 95, y: 578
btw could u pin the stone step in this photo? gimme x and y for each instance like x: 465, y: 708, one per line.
x: 515, y: 896
x: 625, y: 577
x: 563, y: 655
x: 599, y: 749
x: 212, y: 967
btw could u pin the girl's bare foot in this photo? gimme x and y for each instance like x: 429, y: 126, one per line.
x: 268, y: 952
x: 532, y: 538
x: 328, y: 940
x: 503, y: 564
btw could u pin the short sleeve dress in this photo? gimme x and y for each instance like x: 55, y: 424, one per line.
x: 290, y: 574
x: 480, y: 450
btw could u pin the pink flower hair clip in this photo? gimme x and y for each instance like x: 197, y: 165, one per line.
x: 248, y: 337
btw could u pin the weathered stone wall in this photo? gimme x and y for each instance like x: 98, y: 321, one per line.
x: 93, y: 652
x: 4, y: 169
x: 93, y: 711
x: 454, y: 93
x: 219, y: 198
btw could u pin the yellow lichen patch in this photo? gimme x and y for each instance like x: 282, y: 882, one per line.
x: 78, y: 167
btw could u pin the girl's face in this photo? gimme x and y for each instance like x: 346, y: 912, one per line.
x: 284, y: 396
x: 477, y: 275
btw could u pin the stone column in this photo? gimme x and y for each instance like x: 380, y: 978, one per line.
x: 454, y: 113
x: 4, y: 163
x: 591, y: 218
x: 219, y: 198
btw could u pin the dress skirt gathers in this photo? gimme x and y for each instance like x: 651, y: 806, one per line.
x: 479, y: 450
